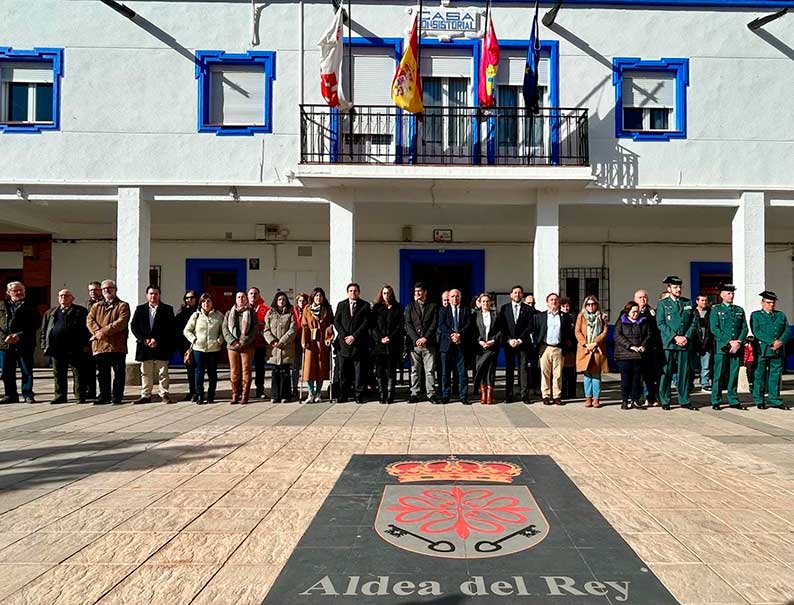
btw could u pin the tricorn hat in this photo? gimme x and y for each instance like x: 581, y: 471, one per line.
x: 767, y: 295
x: 673, y: 280
x: 726, y: 288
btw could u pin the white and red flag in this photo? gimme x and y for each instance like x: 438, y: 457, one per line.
x: 331, y: 54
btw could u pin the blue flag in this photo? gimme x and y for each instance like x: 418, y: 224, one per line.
x: 530, y: 88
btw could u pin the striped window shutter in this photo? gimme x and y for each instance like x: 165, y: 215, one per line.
x: 237, y: 95
x: 648, y: 89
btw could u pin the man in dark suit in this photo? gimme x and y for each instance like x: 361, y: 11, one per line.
x: 153, y: 327
x: 19, y: 321
x: 454, y: 328
x: 351, y: 321
x: 517, y: 319
x: 552, y: 333
x: 421, y: 323
x: 64, y: 338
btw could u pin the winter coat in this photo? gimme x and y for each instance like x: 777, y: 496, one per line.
x: 162, y: 331
x: 180, y: 321
x: 73, y: 335
x: 595, y: 361
x: 260, y: 309
x: 389, y: 322
x: 113, y: 319
x: 630, y: 334
x: 205, y: 331
x: 246, y: 340
x: 280, y: 329
x: 316, y: 355
x: 25, y: 322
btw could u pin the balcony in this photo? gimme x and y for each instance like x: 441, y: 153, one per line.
x: 447, y: 136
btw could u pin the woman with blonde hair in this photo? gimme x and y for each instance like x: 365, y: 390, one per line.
x: 317, y: 333
x: 591, y: 357
x: 489, y: 336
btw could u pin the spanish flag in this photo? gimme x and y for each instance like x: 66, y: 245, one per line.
x: 489, y: 65
x: 406, y: 88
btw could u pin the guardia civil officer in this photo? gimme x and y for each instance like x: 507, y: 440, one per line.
x: 728, y: 325
x: 675, y: 318
x: 770, y: 328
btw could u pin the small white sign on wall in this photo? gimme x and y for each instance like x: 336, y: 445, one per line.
x: 446, y: 22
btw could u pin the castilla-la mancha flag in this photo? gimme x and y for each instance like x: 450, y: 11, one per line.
x: 406, y: 87
x: 331, y: 53
x: 489, y: 65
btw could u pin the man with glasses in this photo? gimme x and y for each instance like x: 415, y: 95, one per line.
x: 19, y: 321
x: 770, y: 328
x: 65, y: 340
x: 108, y: 324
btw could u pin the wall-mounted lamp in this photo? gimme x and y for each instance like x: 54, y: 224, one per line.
x: 234, y: 193
x: 21, y: 193
x: 761, y: 21
x: 549, y: 17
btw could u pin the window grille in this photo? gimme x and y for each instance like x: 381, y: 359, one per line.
x: 580, y: 282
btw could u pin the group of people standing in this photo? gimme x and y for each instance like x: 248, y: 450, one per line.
x: 359, y: 346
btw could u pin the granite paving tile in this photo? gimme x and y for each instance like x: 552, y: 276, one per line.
x: 160, y: 584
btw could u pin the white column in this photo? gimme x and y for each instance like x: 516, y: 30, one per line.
x: 342, y: 247
x: 546, y: 251
x: 749, y: 249
x: 133, y: 244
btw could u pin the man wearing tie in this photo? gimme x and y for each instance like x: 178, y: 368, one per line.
x: 770, y: 328
x: 675, y: 317
x: 351, y: 321
x: 516, y: 318
x: 454, y: 326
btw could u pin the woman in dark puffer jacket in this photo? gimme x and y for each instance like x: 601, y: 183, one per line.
x: 632, y: 334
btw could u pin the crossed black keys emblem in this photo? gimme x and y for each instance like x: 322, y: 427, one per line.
x: 445, y: 546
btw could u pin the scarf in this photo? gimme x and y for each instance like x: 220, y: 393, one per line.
x: 315, y: 310
x: 245, y: 321
x: 595, y: 325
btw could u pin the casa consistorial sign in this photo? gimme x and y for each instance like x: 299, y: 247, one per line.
x: 446, y: 22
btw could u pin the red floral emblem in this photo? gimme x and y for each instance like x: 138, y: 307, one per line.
x: 462, y: 511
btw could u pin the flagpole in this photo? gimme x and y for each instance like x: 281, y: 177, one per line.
x: 351, y: 114
x: 419, y: 47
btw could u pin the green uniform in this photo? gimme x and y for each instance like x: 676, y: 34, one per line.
x: 727, y: 323
x: 676, y: 318
x: 768, y: 327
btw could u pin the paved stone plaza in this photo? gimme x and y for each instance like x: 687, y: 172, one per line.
x: 169, y: 504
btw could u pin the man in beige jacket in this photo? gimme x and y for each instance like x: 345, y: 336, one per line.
x: 107, y: 321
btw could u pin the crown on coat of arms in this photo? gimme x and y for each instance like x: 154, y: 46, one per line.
x: 453, y: 469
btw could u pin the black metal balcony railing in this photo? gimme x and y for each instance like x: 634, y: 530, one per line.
x: 446, y: 135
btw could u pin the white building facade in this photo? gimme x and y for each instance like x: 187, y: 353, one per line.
x: 187, y: 142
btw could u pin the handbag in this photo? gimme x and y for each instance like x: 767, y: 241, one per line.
x: 187, y: 358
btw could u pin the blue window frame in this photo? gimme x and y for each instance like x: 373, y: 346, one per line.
x: 30, y: 89
x: 230, y: 107
x: 658, y: 121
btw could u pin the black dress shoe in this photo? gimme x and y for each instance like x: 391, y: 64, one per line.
x: 81, y: 400
x: 761, y: 406
x: 189, y: 397
x: 142, y: 400
x: 558, y: 401
x: 102, y: 401
x: 465, y: 401
x: 9, y: 400
x: 58, y: 400
x: 360, y: 400
x: 689, y: 407
x: 546, y: 401
x: 342, y: 400
x: 508, y: 399
x: 117, y: 402
x: 444, y: 400
x: 665, y: 406
x: 414, y: 399
x: 716, y: 406
x: 638, y: 405
x: 624, y: 405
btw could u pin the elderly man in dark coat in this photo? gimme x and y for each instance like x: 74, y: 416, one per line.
x: 64, y: 338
